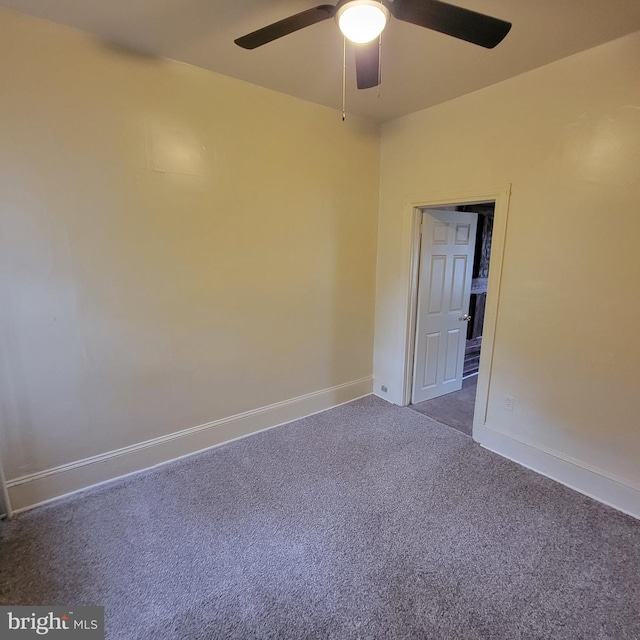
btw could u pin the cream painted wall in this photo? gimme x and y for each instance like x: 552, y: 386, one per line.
x: 567, y: 136
x: 176, y: 246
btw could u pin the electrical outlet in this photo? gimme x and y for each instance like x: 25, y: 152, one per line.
x: 383, y: 388
x: 509, y: 401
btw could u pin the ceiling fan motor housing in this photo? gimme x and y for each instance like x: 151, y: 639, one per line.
x: 361, y: 21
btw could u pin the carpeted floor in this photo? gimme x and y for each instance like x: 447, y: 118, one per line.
x: 366, y: 521
x: 453, y: 409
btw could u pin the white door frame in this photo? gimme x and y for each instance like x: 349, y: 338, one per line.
x: 411, y: 258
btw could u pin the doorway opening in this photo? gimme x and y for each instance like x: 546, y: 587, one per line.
x: 453, y: 273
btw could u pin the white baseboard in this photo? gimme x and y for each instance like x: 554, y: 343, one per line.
x: 34, y: 489
x: 590, y: 482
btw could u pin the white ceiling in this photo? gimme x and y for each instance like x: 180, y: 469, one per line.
x: 420, y: 68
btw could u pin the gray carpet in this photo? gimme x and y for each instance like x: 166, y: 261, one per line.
x: 453, y: 409
x: 366, y: 521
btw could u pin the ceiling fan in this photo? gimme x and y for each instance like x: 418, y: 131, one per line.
x: 362, y: 22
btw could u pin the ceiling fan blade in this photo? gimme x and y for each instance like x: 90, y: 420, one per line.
x: 286, y: 26
x: 368, y: 64
x: 465, y: 24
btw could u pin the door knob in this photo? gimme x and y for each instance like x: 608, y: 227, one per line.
x: 466, y: 318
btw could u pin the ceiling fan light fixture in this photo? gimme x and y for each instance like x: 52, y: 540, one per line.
x: 362, y: 21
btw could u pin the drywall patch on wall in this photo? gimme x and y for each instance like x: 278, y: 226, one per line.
x: 177, y: 148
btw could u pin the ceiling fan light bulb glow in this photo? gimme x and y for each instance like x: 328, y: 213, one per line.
x: 362, y: 21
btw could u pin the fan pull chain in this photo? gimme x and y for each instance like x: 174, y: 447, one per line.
x: 344, y: 78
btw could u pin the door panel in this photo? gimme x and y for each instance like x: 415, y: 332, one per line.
x: 453, y: 349
x: 436, y: 284
x: 458, y: 282
x: 432, y: 349
x: 444, y: 291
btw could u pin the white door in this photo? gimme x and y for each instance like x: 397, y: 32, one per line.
x: 444, y: 290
